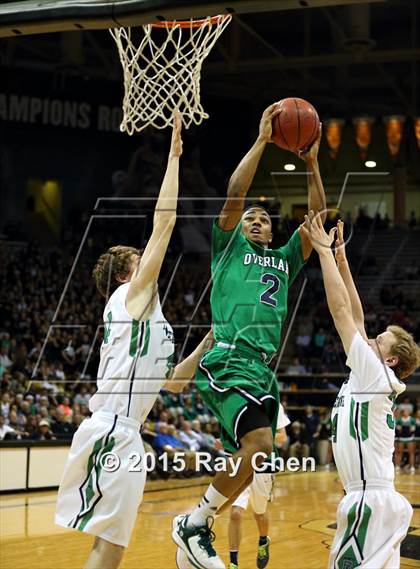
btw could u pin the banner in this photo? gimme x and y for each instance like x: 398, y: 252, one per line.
x: 39, y: 111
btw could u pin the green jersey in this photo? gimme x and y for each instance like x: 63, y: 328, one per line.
x: 250, y: 287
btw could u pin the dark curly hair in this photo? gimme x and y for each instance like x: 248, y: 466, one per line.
x: 111, y: 267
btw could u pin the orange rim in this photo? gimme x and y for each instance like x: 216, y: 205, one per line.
x: 190, y: 23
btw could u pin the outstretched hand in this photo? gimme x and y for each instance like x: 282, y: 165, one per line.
x: 266, y: 128
x: 311, y: 153
x: 176, y: 141
x: 340, y: 247
x: 314, y: 229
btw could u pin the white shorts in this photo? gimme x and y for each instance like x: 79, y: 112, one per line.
x: 370, y: 528
x: 258, y: 493
x: 93, y: 499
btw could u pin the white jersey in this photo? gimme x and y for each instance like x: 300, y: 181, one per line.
x: 136, y: 359
x: 363, y: 429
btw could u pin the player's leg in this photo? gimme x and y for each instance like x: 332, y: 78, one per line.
x: 235, y: 534
x: 260, y: 495
x: 104, y: 555
x: 102, y: 501
x: 263, y: 554
x: 411, y: 451
x: 193, y: 533
x: 399, y: 449
x: 345, y: 521
x: 259, y: 440
x: 247, y: 412
x: 254, y: 444
x: 387, y: 525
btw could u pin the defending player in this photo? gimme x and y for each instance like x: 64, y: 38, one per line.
x: 258, y: 493
x: 249, y: 306
x: 372, y: 518
x: 102, y: 486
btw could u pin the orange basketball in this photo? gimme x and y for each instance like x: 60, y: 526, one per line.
x: 296, y: 126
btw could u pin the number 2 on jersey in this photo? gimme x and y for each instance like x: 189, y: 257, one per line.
x: 267, y: 296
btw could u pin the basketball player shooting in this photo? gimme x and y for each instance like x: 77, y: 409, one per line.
x: 136, y: 362
x: 372, y: 518
x: 249, y: 307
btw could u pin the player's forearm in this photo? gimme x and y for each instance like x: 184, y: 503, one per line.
x: 242, y: 177
x: 356, y: 304
x: 316, y: 193
x: 165, y: 210
x: 337, y: 296
x: 185, y: 371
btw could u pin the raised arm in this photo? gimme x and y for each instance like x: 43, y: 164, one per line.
x: 345, y: 272
x: 141, y: 296
x: 242, y: 177
x: 316, y: 193
x: 337, y: 296
x: 185, y: 371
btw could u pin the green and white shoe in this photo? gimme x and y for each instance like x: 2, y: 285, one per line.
x: 182, y: 561
x: 196, y: 543
x: 233, y: 566
x: 263, y: 555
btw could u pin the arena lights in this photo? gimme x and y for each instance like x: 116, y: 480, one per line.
x: 370, y: 164
x: 417, y: 130
x: 394, y: 125
x: 333, y: 129
x: 363, y: 126
x: 289, y: 167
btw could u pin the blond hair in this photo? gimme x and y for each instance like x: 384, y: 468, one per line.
x: 407, y: 351
x: 112, y: 266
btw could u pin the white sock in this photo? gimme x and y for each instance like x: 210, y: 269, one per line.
x: 210, y: 503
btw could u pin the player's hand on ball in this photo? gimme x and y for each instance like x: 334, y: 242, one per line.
x: 340, y: 248
x: 176, y: 142
x: 314, y: 229
x: 266, y: 129
x: 311, y: 154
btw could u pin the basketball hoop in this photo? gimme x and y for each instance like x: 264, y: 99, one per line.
x: 163, y: 72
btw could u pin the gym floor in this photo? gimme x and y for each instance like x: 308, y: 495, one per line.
x: 302, y: 517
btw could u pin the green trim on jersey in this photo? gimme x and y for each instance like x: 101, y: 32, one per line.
x: 90, y: 491
x: 352, y: 543
x: 146, y: 340
x: 107, y: 327
x: 351, y: 516
x: 361, y: 534
x: 250, y: 288
x: 364, y: 414
x: 390, y: 421
x: 134, y: 337
x: 351, y: 419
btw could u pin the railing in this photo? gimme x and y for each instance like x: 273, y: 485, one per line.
x: 31, y: 465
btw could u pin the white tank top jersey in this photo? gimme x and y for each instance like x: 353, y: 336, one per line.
x: 136, y: 359
x: 363, y: 429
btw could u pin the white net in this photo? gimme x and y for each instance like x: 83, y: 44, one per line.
x: 162, y: 69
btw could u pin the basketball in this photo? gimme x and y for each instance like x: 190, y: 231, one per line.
x: 296, y: 127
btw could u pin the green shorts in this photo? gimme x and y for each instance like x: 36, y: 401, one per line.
x: 229, y: 380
